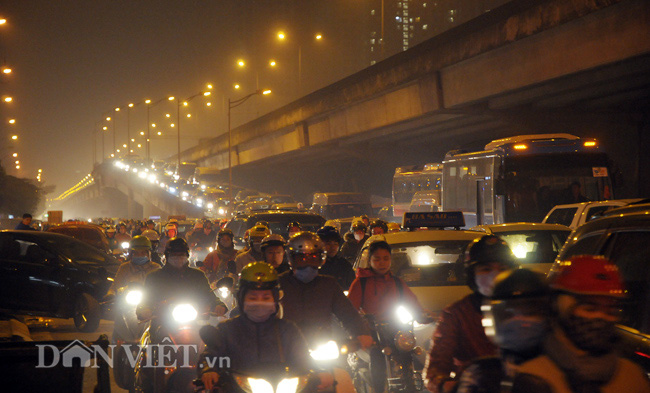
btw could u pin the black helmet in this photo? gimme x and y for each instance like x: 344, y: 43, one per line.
x: 358, y: 226
x: 516, y: 292
x: 328, y: 233
x: 379, y: 223
x: 177, y: 245
x: 294, y: 224
x: 225, y: 232
x: 484, y: 250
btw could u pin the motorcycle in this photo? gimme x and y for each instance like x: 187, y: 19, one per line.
x: 170, y: 348
x: 127, y: 331
x: 224, y: 289
x: 390, y: 366
x: 327, y: 355
x: 198, y: 253
x: 266, y: 378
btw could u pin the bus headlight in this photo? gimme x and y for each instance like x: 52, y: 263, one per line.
x: 184, y: 313
x: 134, y: 297
x: 405, y: 341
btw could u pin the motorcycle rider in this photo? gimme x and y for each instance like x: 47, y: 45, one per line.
x: 122, y: 236
x: 354, y: 241
x: 579, y: 354
x: 335, y: 265
x: 254, y: 254
x: 215, y: 264
x: 177, y: 280
x: 171, y: 230
x: 310, y: 299
x: 257, y: 336
x: 112, y: 242
x: 154, y: 238
x: 151, y: 225
x: 293, y: 228
x: 273, y: 251
x: 459, y: 336
x: 376, y: 291
x: 518, y: 321
x: 136, y: 269
x: 378, y: 227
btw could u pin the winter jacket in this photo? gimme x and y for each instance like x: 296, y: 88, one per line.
x: 458, y: 339
x: 248, y: 344
x: 339, y: 268
x: 172, y: 284
x: 311, y: 306
x: 561, y: 369
x: 131, y: 273
x: 247, y: 257
x: 350, y: 249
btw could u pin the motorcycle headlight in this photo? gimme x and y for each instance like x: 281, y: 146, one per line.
x: 224, y: 292
x: 405, y: 341
x: 125, y: 245
x: 260, y: 385
x: 184, y: 313
x: 222, y: 211
x: 211, y: 249
x: 210, y: 205
x: 404, y: 315
x: 288, y: 385
x: 134, y: 297
x: 327, y: 351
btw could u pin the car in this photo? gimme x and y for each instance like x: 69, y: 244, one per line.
x: 88, y: 233
x: 575, y: 214
x: 278, y: 222
x: 625, y: 240
x: 642, y: 205
x: 53, y: 275
x: 535, y: 245
x: 430, y: 261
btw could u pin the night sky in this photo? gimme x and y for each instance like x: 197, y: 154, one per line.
x: 74, y: 61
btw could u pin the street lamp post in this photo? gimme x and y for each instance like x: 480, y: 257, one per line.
x: 178, y: 118
x: 231, y: 105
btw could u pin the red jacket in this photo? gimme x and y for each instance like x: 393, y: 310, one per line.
x: 458, y: 339
x: 381, y: 295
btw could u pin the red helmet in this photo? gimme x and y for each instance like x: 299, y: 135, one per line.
x: 587, y: 275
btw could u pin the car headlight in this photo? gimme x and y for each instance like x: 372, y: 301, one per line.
x: 405, y: 341
x: 125, y: 245
x: 327, y: 351
x: 404, y: 315
x: 287, y: 385
x: 134, y: 297
x: 184, y: 313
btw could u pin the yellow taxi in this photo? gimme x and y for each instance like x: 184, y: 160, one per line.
x: 535, y: 245
x: 428, y: 257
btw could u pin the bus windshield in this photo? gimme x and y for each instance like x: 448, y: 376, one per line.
x: 535, y: 184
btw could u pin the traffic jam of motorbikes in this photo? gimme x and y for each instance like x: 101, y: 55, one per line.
x: 313, y: 299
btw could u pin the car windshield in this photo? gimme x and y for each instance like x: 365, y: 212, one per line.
x: 432, y: 263
x: 80, y: 252
x: 535, y: 246
x: 278, y: 222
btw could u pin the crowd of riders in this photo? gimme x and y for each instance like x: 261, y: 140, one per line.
x: 543, y: 334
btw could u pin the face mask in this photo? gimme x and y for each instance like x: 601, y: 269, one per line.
x: 593, y: 335
x: 485, y: 283
x: 139, y: 260
x: 358, y: 236
x: 306, y: 274
x: 521, y: 336
x: 258, y: 311
x: 177, y: 261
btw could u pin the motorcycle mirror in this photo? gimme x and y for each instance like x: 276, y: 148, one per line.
x: 208, y: 334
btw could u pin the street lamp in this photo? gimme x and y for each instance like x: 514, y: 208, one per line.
x: 317, y: 37
x: 231, y: 105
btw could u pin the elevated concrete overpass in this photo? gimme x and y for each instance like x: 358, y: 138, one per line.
x: 529, y: 66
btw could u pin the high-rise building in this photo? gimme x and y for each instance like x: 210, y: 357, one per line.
x: 397, y: 25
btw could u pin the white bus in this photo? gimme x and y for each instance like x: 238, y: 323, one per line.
x: 410, y: 179
x: 521, y: 178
